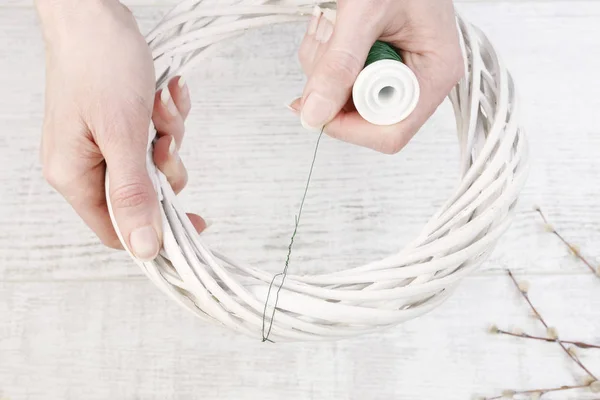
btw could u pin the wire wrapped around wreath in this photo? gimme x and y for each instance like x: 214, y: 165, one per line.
x: 359, y: 300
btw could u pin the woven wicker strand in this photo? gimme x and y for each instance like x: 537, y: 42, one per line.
x: 368, y: 298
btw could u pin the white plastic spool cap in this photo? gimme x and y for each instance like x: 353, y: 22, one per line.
x: 386, y: 92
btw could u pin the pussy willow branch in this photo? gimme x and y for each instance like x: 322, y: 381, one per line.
x: 541, y: 319
x: 570, y: 246
x: 581, y: 345
x: 539, y: 392
x: 592, y: 382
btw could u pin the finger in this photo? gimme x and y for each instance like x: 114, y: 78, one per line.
x: 314, y: 44
x: 295, y: 106
x: 83, y: 191
x: 166, y: 117
x: 324, y: 31
x: 199, y: 223
x: 90, y: 205
x: 330, y: 83
x: 352, y: 128
x: 310, y: 45
x: 437, y: 75
x: 181, y: 96
x: 132, y: 196
x: 168, y: 161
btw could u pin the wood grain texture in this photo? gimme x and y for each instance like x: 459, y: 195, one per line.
x: 78, y: 321
x: 248, y: 158
x: 125, y: 340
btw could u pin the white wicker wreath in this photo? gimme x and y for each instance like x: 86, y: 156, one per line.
x: 363, y: 299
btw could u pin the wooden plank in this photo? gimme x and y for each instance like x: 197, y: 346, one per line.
x: 248, y: 158
x: 125, y: 340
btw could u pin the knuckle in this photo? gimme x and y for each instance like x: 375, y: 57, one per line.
x: 45, y: 145
x: 185, y: 111
x: 303, y: 53
x: 111, y: 122
x: 179, y: 182
x: 54, y: 176
x: 451, y: 65
x: 389, y: 149
x: 130, y: 195
x: 112, y: 242
x: 127, y: 10
x: 458, y: 68
x: 374, y: 15
x: 378, y: 8
x: 342, y: 67
x: 380, y: 2
x: 455, y: 67
x: 50, y: 175
x: 393, y: 145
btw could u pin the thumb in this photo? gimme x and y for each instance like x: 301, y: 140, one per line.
x: 330, y: 84
x: 132, y: 196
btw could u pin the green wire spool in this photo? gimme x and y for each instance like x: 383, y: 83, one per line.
x: 382, y: 51
x: 386, y: 91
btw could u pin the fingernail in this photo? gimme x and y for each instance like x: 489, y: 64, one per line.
x: 172, y: 147
x: 144, y: 243
x: 181, y: 82
x: 171, y: 168
x: 321, y: 29
x: 326, y: 33
x: 314, y: 21
x: 330, y: 15
x: 165, y: 98
x: 316, y: 112
x: 293, y: 105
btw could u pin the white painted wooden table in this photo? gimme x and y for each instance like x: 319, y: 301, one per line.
x: 78, y: 321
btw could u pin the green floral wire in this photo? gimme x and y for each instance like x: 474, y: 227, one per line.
x: 382, y: 51
x: 267, y: 331
x: 379, y: 51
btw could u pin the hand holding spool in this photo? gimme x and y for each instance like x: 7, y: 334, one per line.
x: 393, y: 92
x: 386, y: 91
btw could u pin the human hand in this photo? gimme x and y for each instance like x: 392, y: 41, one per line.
x: 100, y: 99
x: 334, y: 50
